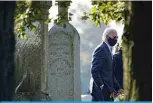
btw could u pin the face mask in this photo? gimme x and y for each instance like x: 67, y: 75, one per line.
x: 111, y: 41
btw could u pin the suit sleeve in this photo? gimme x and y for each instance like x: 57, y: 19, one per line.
x: 116, y: 84
x: 97, y: 62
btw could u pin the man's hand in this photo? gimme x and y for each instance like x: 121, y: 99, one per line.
x: 114, y: 95
x: 121, y: 91
x: 121, y: 94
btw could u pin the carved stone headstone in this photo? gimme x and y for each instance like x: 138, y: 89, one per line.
x: 64, y: 63
x: 31, y: 69
x: 64, y: 59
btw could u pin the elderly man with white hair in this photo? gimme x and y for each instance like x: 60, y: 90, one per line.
x: 102, y: 77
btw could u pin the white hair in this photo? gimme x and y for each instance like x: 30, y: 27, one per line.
x: 107, y: 31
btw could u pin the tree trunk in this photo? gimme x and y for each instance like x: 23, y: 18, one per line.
x: 7, y: 48
x: 137, y: 51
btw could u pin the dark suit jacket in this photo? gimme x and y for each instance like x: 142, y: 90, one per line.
x: 118, y: 68
x: 102, y: 73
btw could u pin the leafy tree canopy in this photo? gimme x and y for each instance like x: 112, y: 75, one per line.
x: 28, y: 12
x: 106, y: 11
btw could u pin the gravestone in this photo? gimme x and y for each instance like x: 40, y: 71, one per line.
x: 64, y: 63
x: 31, y: 69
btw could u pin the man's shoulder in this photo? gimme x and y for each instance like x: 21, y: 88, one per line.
x: 99, y: 49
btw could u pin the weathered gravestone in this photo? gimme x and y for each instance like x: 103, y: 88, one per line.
x: 64, y: 62
x: 31, y: 64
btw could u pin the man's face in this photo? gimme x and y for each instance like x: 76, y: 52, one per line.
x: 113, y: 35
x: 112, y: 38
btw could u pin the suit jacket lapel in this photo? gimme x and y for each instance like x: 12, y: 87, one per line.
x: 107, y: 51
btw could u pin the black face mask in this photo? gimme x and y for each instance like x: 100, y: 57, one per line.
x: 111, y: 41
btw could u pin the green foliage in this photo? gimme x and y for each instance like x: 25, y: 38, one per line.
x: 29, y: 12
x: 26, y: 14
x: 63, y: 16
x: 106, y: 11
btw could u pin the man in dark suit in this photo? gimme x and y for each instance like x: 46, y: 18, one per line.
x: 102, y: 80
x: 118, y: 68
